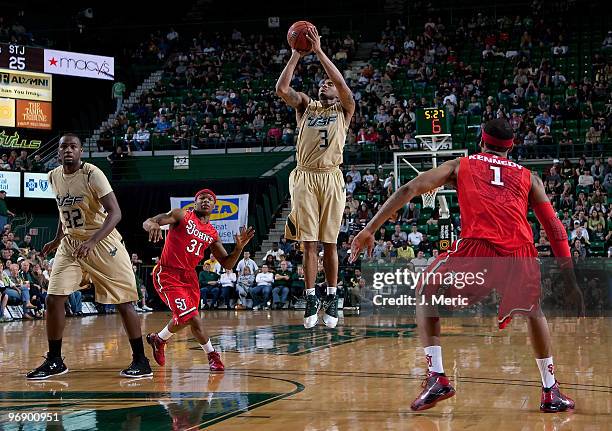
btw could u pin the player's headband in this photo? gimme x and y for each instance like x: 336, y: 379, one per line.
x: 207, y: 191
x: 496, y: 142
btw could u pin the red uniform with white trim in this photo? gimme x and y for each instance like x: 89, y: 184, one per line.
x: 174, y: 277
x: 496, y: 238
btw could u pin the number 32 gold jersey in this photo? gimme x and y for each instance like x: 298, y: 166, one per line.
x: 78, y: 199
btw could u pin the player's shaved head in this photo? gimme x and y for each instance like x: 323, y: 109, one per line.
x: 70, y: 137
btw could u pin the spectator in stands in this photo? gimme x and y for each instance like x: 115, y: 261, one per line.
x: 379, y: 250
x: 398, y: 236
x: 163, y: 126
x: 585, y: 179
x: 607, y: 42
x: 419, y: 262
x: 246, y: 261
x: 350, y: 185
x: 19, y: 290
x: 411, y: 213
x: 405, y: 252
x: 597, y: 171
x: 263, y: 288
x: 142, y: 139
x: 275, y: 252
x: 227, y: 282
x: 355, y: 174
x: 280, y: 292
x: 4, y: 211
x: 22, y: 163
x: 209, y: 287
x: 243, y: 286
x: 415, y: 237
x: 117, y: 94
x: 579, y: 233
x: 434, y: 255
x: 214, y: 264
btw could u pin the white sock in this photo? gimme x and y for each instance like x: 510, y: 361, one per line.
x: 433, y: 354
x: 331, y: 290
x: 547, y: 371
x: 165, y: 334
x: 208, y: 347
x: 310, y: 291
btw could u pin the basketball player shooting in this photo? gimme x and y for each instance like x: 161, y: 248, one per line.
x: 175, y: 278
x: 489, y: 229
x: 87, y: 242
x: 316, y: 184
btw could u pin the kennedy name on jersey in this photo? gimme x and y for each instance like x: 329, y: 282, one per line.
x: 495, y: 161
x: 68, y: 201
x: 321, y: 120
x: 193, y: 230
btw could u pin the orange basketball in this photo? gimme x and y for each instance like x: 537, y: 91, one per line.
x: 296, y: 36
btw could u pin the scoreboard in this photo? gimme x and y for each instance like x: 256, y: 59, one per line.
x: 432, y: 122
x: 20, y: 57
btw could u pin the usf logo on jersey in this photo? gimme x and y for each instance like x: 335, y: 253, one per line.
x: 321, y: 120
x: 68, y: 201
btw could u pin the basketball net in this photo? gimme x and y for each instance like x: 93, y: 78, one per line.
x: 429, y: 198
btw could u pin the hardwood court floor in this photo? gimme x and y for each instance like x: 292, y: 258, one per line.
x: 361, y: 376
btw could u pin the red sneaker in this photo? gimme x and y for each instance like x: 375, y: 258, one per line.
x: 158, y: 345
x: 554, y: 401
x: 436, y: 387
x: 214, y: 360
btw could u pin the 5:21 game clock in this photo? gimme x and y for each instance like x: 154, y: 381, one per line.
x: 20, y: 57
x: 432, y: 122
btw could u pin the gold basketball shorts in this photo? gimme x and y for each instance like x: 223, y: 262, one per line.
x: 317, y: 203
x: 108, y: 266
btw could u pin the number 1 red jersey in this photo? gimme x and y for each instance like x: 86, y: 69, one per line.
x: 186, y: 242
x: 493, y: 197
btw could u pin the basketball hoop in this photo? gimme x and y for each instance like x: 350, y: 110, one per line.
x: 429, y: 198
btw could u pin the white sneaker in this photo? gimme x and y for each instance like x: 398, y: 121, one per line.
x: 146, y: 308
x: 138, y: 309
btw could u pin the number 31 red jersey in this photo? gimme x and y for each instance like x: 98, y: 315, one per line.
x: 186, y: 242
x: 493, y: 195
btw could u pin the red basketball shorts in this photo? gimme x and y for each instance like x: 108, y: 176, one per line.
x: 472, y: 269
x: 180, y: 291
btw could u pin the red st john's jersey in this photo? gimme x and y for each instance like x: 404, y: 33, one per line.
x: 186, y: 242
x: 493, y: 195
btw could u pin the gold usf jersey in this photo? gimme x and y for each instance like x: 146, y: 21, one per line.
x: 321, y: 137
x: 78, y: 199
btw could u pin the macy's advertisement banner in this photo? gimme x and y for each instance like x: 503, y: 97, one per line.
x: 230, y: 213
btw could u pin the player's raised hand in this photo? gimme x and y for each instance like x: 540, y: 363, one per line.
x: 301, y: 54
x: 363, y: 240
x: 315, y: 40
x: 154, y: 229
x: 244, y: 236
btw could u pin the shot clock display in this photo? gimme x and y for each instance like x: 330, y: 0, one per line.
x: 432, y: 122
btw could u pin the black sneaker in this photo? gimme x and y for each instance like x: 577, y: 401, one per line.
x: 140, y: 368
x: 330, y: 305
x: 51, y: 367
x: 311, y: 313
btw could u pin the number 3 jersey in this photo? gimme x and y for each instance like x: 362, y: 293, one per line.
x: 186, y: 242
x: 78, y: 197
x: 322, y: 132
x: 493, y: 195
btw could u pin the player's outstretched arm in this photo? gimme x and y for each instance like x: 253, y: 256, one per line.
x: 425, y: 182
x: 228, y: 261
x: 153, y: 225
x: 344, y: 92
x: 556, y: 234
x: 295, y: 99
